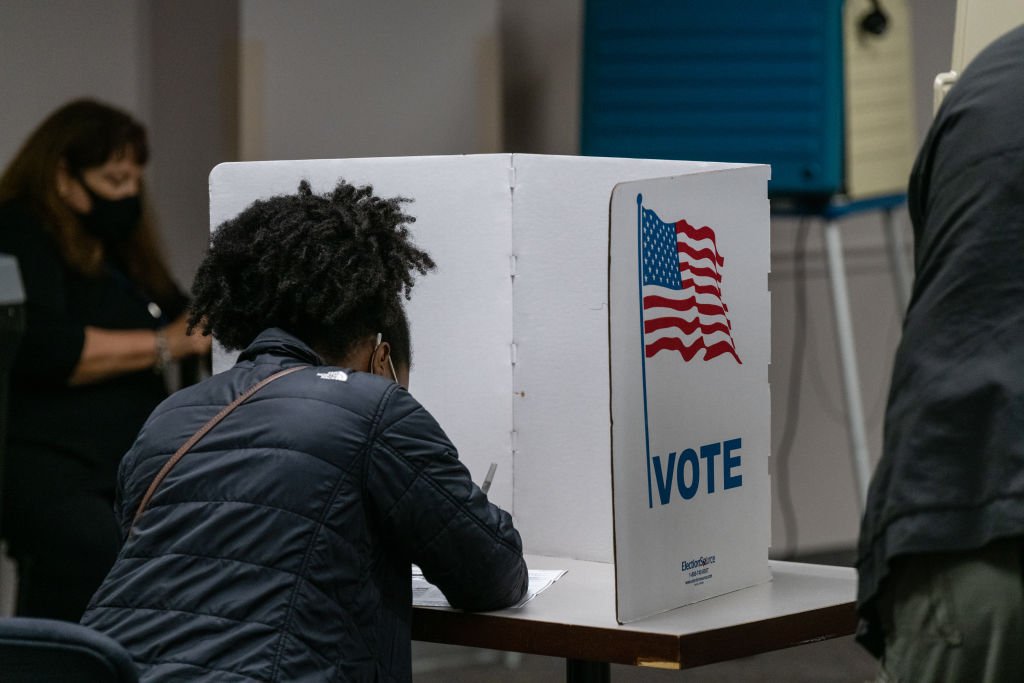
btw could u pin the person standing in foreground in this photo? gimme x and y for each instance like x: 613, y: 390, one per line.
x: 279, y: 547
x: 941, y: 577
x: 103, y: 318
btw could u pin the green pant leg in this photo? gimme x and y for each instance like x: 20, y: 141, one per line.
x: 955, y: 616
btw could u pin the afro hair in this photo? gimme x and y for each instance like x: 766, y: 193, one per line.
x: 329, y: 268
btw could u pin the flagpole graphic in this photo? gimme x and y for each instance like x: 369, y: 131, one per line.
x: 643, y: 358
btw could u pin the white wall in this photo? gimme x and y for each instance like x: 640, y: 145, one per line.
x: 337, y: 79
x: 54, y: 51
x: 541, y: 59
x: 191, y: 98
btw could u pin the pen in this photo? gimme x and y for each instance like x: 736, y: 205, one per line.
x: 490, y: 475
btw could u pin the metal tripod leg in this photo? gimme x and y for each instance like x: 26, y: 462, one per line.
x: 848, y: 361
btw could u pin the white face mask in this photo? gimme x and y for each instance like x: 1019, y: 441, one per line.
x: 390, y: 362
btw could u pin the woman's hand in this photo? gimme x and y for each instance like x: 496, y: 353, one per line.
x: 108, y: 353
x: 180, y: 344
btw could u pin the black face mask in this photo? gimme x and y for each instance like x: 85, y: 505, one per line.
x: 111, y: 220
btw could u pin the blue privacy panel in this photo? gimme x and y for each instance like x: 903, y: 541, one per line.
x: 726, y: 80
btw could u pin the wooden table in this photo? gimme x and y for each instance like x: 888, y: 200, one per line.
x: 575, y: 619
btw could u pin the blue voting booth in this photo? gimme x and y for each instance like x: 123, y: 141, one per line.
x: 818, y: 89
x: 732, y: 80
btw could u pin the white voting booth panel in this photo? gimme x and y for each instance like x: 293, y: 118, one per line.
x: 461, y: 314
x: 690, y: 346
x: 511, y: 332
x: 563, y: 438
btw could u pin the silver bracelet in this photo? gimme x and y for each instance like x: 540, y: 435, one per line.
x: 163, y: 353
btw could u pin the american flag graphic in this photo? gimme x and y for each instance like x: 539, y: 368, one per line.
x: 682, y: 290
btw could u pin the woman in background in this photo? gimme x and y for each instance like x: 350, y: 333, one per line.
x: 103, y: 319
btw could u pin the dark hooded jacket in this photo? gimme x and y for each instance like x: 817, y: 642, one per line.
x: 279, y: 547
x: 951, y: 476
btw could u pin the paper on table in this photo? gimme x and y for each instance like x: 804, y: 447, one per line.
x: 426, y: 594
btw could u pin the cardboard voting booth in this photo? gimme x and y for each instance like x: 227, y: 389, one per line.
x: 689, y: 329
x: 531, y: 348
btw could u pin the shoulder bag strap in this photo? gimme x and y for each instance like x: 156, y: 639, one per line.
x: 185, y: 447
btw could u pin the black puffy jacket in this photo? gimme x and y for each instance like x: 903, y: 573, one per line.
x: 279, y: 547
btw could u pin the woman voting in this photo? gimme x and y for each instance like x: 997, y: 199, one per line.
x: 278, y: 547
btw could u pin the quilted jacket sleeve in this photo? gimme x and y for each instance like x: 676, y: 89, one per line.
x: 427, y: 502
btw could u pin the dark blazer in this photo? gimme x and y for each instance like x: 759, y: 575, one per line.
x: 279, y: 548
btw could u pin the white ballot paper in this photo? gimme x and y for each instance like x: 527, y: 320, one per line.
x: 426, y: 594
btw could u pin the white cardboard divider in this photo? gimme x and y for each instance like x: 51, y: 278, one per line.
x: 510, y: 334
x: 689, y: 324
x: 560, y: 233
x: 461, y: 314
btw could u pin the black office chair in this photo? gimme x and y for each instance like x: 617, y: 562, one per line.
x: 46, y: 650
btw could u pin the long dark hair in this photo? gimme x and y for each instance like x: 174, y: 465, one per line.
x: 330, y: 268
x: 84, y: 134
